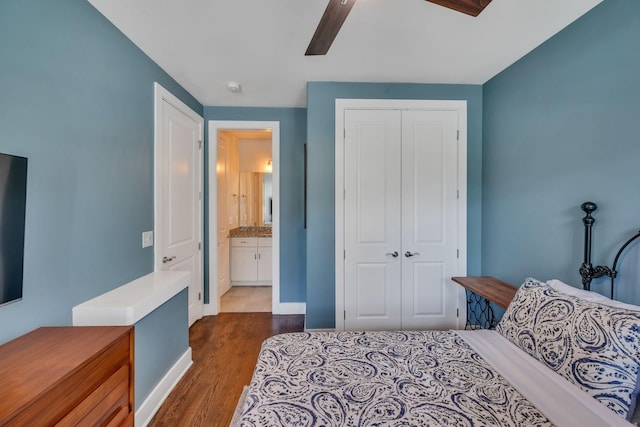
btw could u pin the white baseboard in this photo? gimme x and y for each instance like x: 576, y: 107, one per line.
x: 282, y: 308
x: 150, y: 406
x: 209, y: 310
x: 260, y: 284
x: 290, y: 308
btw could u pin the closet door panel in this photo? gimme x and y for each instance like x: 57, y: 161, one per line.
x: 425, y: 301
x: 424, y: 193
x: 372, y: 219
x: 429, y: 214
x: 372, y: 292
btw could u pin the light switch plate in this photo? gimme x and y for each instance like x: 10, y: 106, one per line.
x: 147, y: 239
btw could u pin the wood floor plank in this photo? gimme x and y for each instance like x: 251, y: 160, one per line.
x: 225, y: 350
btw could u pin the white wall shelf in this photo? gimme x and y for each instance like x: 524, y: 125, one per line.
x: 131, y: 302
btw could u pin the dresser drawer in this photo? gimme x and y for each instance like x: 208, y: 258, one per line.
x: 107, y: 405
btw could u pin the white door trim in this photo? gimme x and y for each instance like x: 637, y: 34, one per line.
x: 162, y: 95
x: 213, y: 307
x: 393, y: 104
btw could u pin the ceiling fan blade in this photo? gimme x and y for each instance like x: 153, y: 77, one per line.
x: 330, y: 23
x: 470, y: 7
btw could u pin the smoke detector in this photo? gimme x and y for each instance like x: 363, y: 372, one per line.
x: 234, y: 87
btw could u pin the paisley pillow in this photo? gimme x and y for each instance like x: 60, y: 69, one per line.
x: 594, y: 346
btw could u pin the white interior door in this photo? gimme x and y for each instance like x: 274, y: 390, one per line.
x: 372, y: 219
x: 179, y: 213
x: 222, y: 167
x: 429, y: 219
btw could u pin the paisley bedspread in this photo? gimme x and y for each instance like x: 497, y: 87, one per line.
x: 408, y: 378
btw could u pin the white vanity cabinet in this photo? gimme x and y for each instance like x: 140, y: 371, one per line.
x: 264, y: 259
x: 251, y: 261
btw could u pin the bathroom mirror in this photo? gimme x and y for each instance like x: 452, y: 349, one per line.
x: 256, y: 199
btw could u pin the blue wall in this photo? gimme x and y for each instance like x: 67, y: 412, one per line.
x: 321, y: 183
x: 160, y: 340
x: 76, y: 98
x: 561, y: 128
x: 293, y: 130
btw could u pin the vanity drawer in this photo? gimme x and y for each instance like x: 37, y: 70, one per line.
x: 244, y: 241
x: 264, y: 242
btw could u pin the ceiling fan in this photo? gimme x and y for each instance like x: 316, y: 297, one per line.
x: 337, y: 11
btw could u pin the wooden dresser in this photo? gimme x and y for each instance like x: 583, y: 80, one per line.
x: 67, y: 376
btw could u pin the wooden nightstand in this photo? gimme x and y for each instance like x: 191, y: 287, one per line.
x: 483, y: 290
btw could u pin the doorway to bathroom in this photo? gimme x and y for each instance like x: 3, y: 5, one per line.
x: 243, y: 216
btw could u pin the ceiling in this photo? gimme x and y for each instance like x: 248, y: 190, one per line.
x: 203, y: 44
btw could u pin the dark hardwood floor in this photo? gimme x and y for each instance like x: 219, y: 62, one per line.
x: 225, y: 349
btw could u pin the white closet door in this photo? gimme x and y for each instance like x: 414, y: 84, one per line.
x: 429, y: 219
x: 372, y: 219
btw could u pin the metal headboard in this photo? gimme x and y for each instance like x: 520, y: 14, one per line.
x: 587, y: 270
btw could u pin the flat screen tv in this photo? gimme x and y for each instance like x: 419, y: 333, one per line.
x: 13, y: 201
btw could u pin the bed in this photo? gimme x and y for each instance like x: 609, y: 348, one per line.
x: 560, y: 356
x: 556, y: 358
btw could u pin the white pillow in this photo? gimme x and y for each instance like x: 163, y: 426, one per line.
x: 578, y: 293
x: 589, y: 296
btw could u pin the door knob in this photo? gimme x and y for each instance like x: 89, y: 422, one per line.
x: 409, y: 254
x: 167, y: 259
x: 393, y: 254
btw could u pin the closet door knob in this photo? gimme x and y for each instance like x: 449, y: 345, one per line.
x: 167, y: 259
x: 393, y: 254
x: 409, y: 254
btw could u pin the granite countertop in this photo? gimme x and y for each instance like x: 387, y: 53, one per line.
x: 250, y: 232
